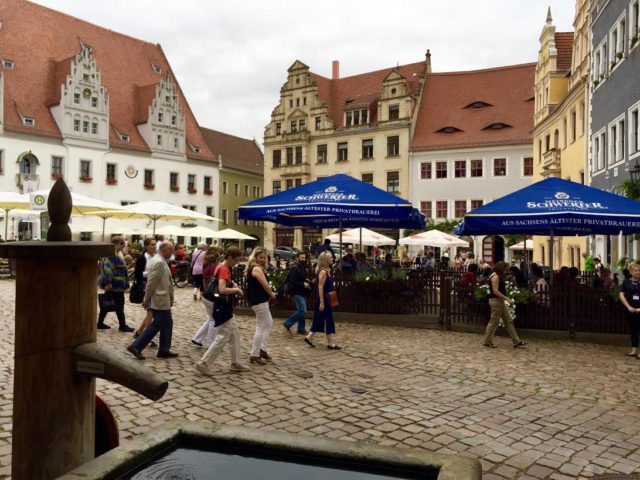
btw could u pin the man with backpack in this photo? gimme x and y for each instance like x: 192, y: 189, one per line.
x: 296, y: 286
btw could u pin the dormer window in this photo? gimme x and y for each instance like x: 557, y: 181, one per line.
x: 393, y: 91
x: 478, y: 104
x: 7, y: 64
x: 124, y: 138
x: 195, y: 148
x: 29, y: 122
x: 156, y: 69
x: 356, y: 117
x: 497, y: 126
x: 448, y: 130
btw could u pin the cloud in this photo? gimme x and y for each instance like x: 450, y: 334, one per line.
x: 231, y: 58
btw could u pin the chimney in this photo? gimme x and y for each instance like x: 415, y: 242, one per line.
x: 335, y: 70
x: 428, y: 61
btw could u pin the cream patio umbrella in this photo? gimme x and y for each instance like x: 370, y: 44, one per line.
x: 154, y: 211
x: 201, y: 232
x: 11, y: 201
x: 230, y: 234
x: 434, y: 238
x: 362, y: 236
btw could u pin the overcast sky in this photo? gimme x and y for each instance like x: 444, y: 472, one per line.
x: 231, y: 57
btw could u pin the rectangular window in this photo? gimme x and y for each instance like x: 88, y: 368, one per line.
x: 539, y: 151
x: 527, y: 167
x: 174, y: 120
x: 356, y: 117
x: 302, y: 125
x: 393, y: 146
x: 159, y: 140
x: 289, y: 155
x: 94, y: 128
x: 442, y: 210
x: 111, y: 171
x: 94, y: 102
x: 277, y: 158
x: 634, y: 21
x: 76, y: 98
x: 85, y: 168
x: 622, y: 134
x: 56, y: 167
x: 278, y: 128
x: 365, y: 117
x: 394, y: 112
x: 298, y: 182
x: 343, y: 151
x: 441, y: 169
x: 246, y: 190
x: 367, y: 178
x: 148, y: 177
x: 367, y: 148
x: 277, y: 188
x: 564, y: 132
x: 634, y: 131
x: 476, y: 168
x: 321, y: 153
x: 298, y: 155
x: 294, y: 125
x: 476, y: 204
x: 210, y: 211
x: 160, y: 117
x: 318, y: 122
x: 499, y: 167
x: 225, y: 217
x: 582, y: 177
x: 425, y: 209
x: 225, y: 187
x: 393, y: 182
x: 85, y: 126
x: 207, y: 184
x: 425, y: 170
x: 596, y: 153
x: 348, y: 119
x: 460, y: 208
x: 191, y: 182
x: 173, y: 181
x: 1, y: 162
x: 235, y: 217
x: 573, y: 126
x: 289, y: 183
x: 460, y: 169
x: 236, y: 189
x: 76, y: 125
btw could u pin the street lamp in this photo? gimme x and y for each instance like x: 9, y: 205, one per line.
x: 635, y: 173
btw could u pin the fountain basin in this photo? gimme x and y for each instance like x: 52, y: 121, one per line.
x: 183, y: 449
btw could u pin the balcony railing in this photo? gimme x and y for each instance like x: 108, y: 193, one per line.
x: 296, y: 169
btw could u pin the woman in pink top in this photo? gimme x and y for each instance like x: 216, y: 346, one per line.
x: 197, y: 261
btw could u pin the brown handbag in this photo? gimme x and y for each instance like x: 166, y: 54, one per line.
x: 333, y: 299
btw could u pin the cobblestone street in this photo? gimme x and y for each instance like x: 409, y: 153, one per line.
x: 555, y: 410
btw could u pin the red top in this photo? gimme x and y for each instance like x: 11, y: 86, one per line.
x: 469, y: 278
x: 223, y: 273
x: 180, y: 254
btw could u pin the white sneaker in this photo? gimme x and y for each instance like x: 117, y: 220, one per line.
x: 203, y: 369
x: 238, y: 367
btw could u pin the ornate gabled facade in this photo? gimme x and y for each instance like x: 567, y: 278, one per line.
x: 359, y: 125
x: 101, y: 109
x: 163, y: 128
x: 561, y: 120
x: 80, y: 104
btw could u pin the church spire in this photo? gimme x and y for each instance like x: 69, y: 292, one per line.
x: 549, y: 17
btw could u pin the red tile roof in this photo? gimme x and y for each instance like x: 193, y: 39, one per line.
x: 509, y: 91
x: 237, y: 153
x: 42, y: 43
x: 564, y: 46
x: 362, y: 89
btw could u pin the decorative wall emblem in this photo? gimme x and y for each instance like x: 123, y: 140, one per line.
x: 131, y: 171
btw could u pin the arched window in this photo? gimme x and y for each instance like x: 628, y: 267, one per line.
x: 556, y: 139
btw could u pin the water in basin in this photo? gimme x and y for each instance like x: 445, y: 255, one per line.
x: 192, y: 464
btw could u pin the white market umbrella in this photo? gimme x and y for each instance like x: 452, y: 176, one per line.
x: 230, y: 234
x: 362, y: 236
x: 522, y: 245
x: 201, y: 232
x: 11, y: 201
x: 171, y: 230
x: 434, y: 238
x: 154, y: 210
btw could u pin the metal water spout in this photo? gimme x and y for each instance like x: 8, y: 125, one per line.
x: 56, y: 354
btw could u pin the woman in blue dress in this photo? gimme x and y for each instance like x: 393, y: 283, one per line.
x: 322, y: 315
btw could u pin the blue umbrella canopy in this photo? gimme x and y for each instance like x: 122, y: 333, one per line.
x: 555, y: 207
x: 335, y: 201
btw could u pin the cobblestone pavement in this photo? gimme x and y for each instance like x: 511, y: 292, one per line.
x: 553, y: 410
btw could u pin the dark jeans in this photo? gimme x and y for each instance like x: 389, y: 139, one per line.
x: 298, y: 315
x: 634, y: 328
x: 163, y: 323
x: 118, y: 297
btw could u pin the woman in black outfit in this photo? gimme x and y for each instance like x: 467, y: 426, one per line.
x: 630, y: 298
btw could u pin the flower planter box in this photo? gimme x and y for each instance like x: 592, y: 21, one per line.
x: 86, y: 179
x: 174, y: 189
x: 149, y: 186
x: 208, y: 192
x: 192, y: 191
x: 112, y: 181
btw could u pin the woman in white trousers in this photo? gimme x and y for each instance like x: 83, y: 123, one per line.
x: 259, y: 293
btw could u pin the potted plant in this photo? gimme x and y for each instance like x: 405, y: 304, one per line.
x: 208, y: 191
x: 85, y: 178
x: 149, y: 186
x: 174, y: 188
x: 192, y: 190
x: 112, y: 181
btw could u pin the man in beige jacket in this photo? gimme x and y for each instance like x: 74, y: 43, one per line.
x: 159, y: 298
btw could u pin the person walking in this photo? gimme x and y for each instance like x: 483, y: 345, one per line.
x: 259, y: 293
x: 323, y: 315
x: 197, y: 262
x: 325, y: 247
x: 207, y: 331
x: 141, y: 273
x: 114, y: 282
x: 227, y: 331
x: 497, y: 299
x: 298, y: 287
x: 159, y: 298
x: 630, y: 298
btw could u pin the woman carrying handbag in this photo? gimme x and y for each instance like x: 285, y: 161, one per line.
x: 326, y: 298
